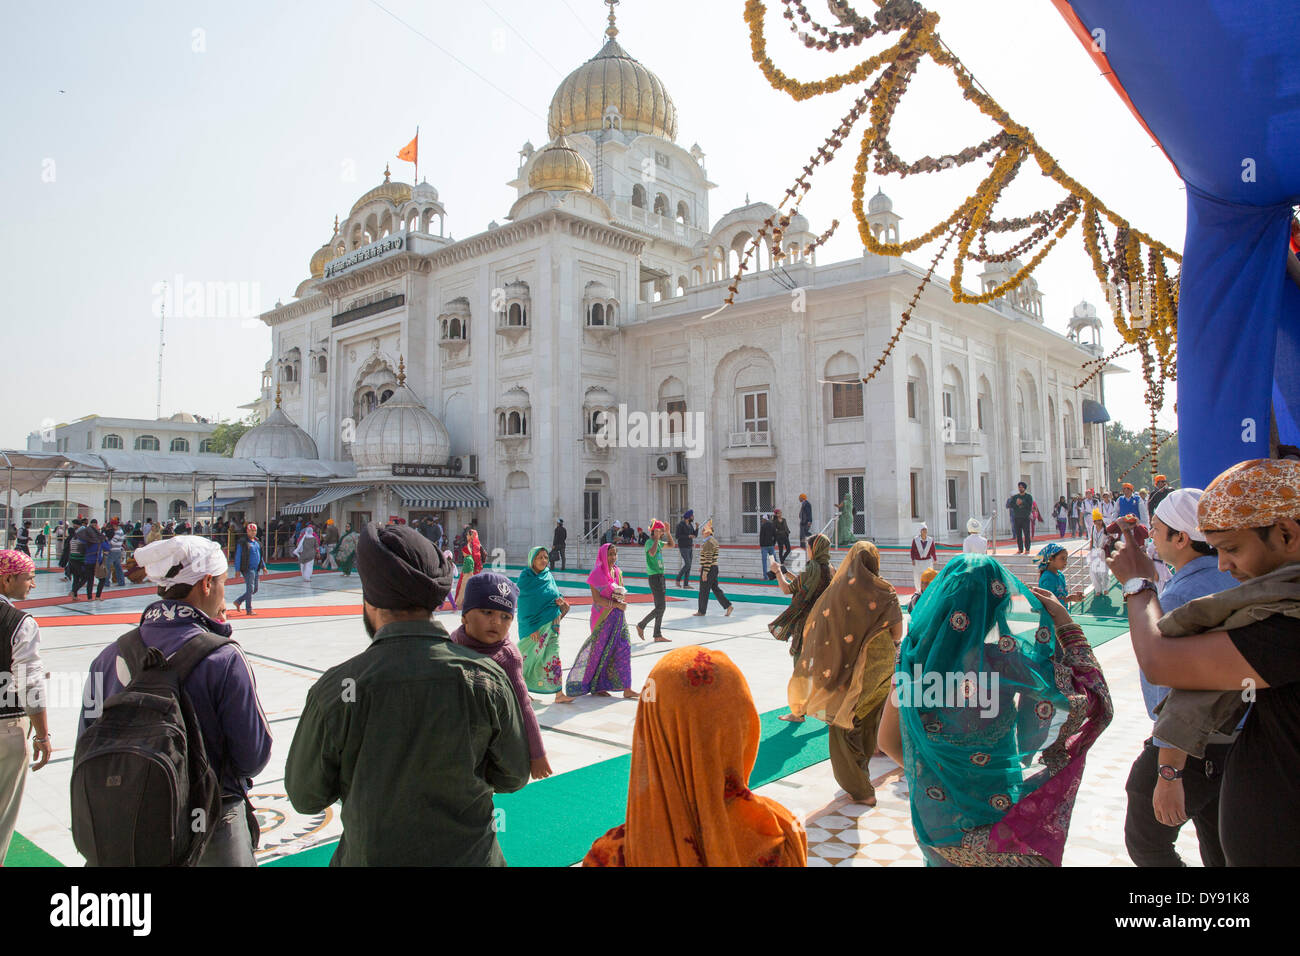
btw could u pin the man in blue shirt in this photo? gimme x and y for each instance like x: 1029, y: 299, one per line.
x: 1167, y: 787
x: 1130, y: 504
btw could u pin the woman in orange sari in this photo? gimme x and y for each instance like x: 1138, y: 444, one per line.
x: 693, y: 749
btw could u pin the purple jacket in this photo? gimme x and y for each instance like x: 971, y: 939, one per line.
x: 221, y: 688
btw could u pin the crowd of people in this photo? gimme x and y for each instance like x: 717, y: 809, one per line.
x: 993, y: 760
x: 1073, y: 514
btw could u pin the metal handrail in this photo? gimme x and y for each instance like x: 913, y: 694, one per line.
x: 587, y: 539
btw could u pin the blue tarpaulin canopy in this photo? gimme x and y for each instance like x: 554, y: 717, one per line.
x: 1217, y: 83
x: 1094, y: 412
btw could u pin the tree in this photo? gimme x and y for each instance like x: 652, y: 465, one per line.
x: 1126, y: 448
x: 227, y: 434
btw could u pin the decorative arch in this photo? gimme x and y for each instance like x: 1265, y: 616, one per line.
x: 745, y: 370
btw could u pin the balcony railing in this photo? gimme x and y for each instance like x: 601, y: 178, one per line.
x: 1078, y: 454
x: 964, y: 436
x: 749, y: 439
x: 1033, y: 447
x: 659, y: 225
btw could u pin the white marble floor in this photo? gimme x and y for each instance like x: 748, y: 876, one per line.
x: 289, y: 653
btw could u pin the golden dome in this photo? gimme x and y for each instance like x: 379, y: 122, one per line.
x: 560, y: 167
x: 325, y: 254
x: 612, y: 78
x: 396, y: 193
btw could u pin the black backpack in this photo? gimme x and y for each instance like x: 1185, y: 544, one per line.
x: 143, y: 791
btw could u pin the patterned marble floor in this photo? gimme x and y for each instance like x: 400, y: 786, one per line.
x: 289, y: 653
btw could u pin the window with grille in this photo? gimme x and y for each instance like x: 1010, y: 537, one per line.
x: 846, y: 399
x: 757, y: 498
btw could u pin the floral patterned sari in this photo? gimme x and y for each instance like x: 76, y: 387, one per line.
x: 996, y: 725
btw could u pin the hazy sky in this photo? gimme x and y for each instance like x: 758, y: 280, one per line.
x: 217, y: 141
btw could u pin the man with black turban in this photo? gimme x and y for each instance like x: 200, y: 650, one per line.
x: 417, y: 731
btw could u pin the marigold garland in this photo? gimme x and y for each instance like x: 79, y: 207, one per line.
x: 1134, y: 269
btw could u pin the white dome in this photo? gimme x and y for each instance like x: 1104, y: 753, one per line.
x: 424, y: 191
x: 880, y: 202
x: 400, y: 430
x: 799, y: 223
x: 277, y: 437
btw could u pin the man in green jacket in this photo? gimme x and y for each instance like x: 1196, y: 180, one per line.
x: 415, y: 733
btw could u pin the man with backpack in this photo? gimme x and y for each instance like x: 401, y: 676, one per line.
x: 215, y: 740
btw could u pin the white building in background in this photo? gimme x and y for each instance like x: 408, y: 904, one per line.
x: 502, y: 353
x: 162, y: 439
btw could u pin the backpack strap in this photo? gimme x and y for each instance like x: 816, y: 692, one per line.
x: 133, y: 650
x: 194, y: 650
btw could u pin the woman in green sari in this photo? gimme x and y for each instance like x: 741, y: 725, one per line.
x: 844, y: 527
x: 804, y: 592
x: 541, y: 608
x: 347, y: 555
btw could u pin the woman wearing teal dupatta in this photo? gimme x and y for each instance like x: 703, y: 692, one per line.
x: 992, y: 723
x: 539, y: 613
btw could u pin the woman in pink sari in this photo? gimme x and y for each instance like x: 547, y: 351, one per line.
x: 605, y: 662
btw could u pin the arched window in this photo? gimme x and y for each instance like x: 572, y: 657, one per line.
x: 638, y: 196
x: 514, y: 424
x: 178, y: 509
x: 111, y: 441
x: 683, y: 213
x: 147, y: 443
x: 206, y: 447
x: 516, y: 315
x: 954, y: 396
x: 181, y: 445
x: 597, y: 314
x: 385, y: 395
x: 501, y: 423
x: 846, y: 386
x: 661, y: 204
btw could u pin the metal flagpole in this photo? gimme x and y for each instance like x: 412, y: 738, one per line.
x: 194, y: 496
x: 108, y: 505
x: 144, y: 496
x: 9, y: 505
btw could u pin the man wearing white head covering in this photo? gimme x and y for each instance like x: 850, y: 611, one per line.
x: 1159, y: 802
x: 922, y: 555
x: 975, y: 543
x: 190, y: 573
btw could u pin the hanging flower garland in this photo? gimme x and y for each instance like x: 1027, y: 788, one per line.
x: 1132, y: 266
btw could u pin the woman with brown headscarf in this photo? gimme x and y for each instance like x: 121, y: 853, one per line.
x: 843, y: 674
x: 688, y: 801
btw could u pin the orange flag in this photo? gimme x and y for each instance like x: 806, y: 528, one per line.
x: 411, y: 151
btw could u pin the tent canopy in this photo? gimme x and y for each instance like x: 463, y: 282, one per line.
x: 1217, y: 83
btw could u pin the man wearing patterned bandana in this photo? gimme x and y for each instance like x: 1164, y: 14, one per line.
x: 23, y: 700
x: 1238, y: 645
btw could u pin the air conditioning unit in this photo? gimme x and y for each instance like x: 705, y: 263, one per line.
x: 465, y: 465
x: 668, y: 464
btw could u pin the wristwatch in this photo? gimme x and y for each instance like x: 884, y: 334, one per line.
x: 1137, y: 585
x: 1169, y: 773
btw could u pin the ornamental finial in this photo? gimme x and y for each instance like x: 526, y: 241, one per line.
x: 401, y: 370
x: 387, y: 174
x: 277, y: 395
x: 611, y: 31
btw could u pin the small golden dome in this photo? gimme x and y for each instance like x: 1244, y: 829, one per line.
x: 561, y: 167
x: 612, y: 78
x: 325, y: 254
x: 396, y: 193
